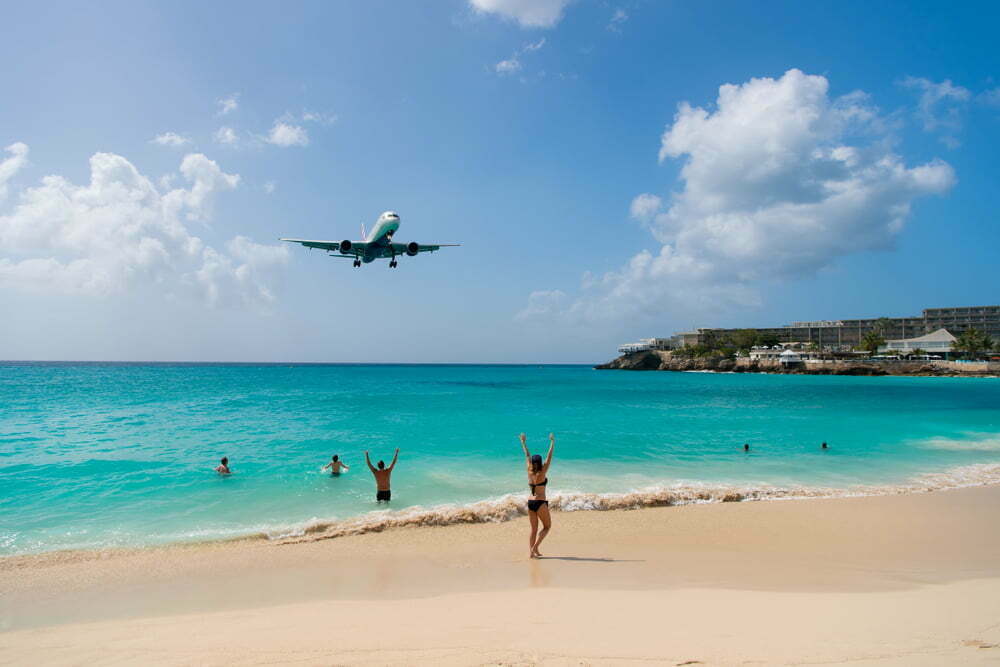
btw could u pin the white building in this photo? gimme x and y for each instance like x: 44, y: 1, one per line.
x: 645, y: 344
x: 790, y: 357
x: 937, y: 342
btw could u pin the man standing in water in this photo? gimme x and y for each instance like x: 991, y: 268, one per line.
x: 223, y: 467
x: 382, y: 475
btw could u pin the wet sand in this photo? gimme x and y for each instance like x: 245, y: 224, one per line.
x: 908, y: 579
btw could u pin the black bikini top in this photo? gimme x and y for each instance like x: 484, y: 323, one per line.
x: 542, y: 483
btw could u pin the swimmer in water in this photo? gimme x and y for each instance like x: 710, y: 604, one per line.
x: 824, y: 446
x: 223, y: 467
x: 746, y: 447
x: 335, y: 465
x: 538, y: 506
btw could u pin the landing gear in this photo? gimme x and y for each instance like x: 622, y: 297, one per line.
x: 357, y: 263
x: 393, y: 264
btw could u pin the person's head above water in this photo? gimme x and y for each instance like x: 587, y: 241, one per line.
x: 381, y: 464
x: 335, y: 458
x: 225, y: 460
x: 746, y: 447
x: 536, y: 462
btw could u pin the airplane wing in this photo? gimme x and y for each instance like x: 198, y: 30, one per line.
x: 357, y: 247
x: 400, y: 248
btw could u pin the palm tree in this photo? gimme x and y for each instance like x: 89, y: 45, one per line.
x: 873, y: 340
x: 973, y: 342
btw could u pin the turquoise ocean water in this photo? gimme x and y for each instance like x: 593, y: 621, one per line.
x: 98, y: 455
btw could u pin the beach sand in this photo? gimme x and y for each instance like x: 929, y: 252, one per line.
x: 894, y: 580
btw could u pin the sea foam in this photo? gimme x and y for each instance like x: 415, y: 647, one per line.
x: 508, y: 507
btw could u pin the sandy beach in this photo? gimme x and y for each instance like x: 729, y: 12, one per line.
x: 908, y: 580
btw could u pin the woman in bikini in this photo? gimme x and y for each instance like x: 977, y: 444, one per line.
x: 538, y: 506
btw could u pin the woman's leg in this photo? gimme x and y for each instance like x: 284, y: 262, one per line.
x: 533, y: 518
x: 543, y: 514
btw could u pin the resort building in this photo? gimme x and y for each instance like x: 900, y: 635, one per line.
x: 645, y: 344
x: 937, y: 343
x: 847, y: 334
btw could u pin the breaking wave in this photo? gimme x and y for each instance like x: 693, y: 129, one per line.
x: 508, y: 507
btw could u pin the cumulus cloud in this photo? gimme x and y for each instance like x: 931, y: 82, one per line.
x: 777, y: 183
x: 940, y: 106
x: 285, y: 134
x: 170, y: 139
x: 527, y: 13
x: 119, y: 233
x: 11, y: 165
x: 228, y: 104
x: 645, y: 206
x: 226, y: 135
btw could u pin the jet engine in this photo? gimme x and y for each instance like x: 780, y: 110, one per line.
x: 345, y: 246
x: 412, y: 248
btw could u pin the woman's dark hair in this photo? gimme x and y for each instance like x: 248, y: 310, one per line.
x: 536, y: 462
x: 225, y: 460
x: 335, y: 457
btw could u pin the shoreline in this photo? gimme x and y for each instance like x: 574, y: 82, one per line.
x: 660, y: 360
x: 831, y: 580
x: 511, y: 507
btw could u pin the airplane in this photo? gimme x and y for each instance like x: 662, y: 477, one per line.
x: 376, y: 245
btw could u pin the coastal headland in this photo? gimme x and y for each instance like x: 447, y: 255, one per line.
x: 911, y: 579
x: 662, y: 360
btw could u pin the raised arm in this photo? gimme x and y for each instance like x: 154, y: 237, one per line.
x: 369, y: 462
x: 395, y: 457
x: 552, y: 447
x: 524, y: 446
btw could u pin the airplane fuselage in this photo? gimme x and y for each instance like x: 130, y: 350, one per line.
x: 380, y: 236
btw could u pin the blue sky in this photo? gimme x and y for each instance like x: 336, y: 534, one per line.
x: 602, y: 188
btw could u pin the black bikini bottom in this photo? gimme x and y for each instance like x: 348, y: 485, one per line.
x: 533, y: 505
x: 383, y: 495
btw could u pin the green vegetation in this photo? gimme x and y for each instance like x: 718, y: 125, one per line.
x: 973, y: 343
x: 872, y: 340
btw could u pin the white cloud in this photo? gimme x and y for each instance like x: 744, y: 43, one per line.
x: 285, y: 134
x: 226, y: 135
x: 528, y: 13
x: 513, y: 64
x: 10, y: 166
x: 319, y: 117
x: 617, y: 19
x: 228, y: 104
x: 772, y: 188
x: 533, y: 46
x: 645, y: 206
x: 119, y: 233
x: 509, y: 66
x: 270, y: 187
x: 940, y: 106
x: 170, y: 139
